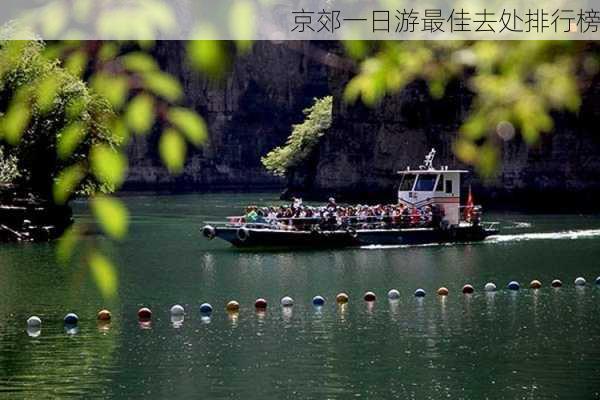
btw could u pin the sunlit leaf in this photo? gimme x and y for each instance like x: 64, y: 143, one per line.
x: 76, y: 63
x: 46, y: 93
x: 104, y: 274
x: 113, y: 87
x: 119, y: 130
x: 208, y: 56
x: 108, y: 51
x: 190, y: 123
x: 172, y: 149
x: 108, y: 165
x: 164, y: 85
x: 111, y: 214
x: 14, y: 122
x: 67, y: 182
x: 69, y: 138
x: 139, y: 62
x: 66, y: 244
x: 140, y: 114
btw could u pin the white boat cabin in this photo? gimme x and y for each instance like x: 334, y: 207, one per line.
x: 428, y: 186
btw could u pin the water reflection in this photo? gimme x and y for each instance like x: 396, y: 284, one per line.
x: 103, y: 327
x: 177, y: 321
x: 71, y: 329
x: 145, y: 325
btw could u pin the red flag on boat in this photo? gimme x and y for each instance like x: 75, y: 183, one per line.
x: 470, y: 206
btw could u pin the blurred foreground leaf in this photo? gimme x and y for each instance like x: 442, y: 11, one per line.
x: 140, y: 114
x: 172, y: 149
x: 108, y: 165
x: 104, y: 274
x: 190, y: 123
x: 66, y: 183
x: 111, y: 214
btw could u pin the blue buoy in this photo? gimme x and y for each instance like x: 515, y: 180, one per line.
x: 206, y: 308
x: 513, y: 285
x: 393, y: 294
x: 490, y: 287
x: 318, y: 301
x: 420, y: 293
x: 598, y: 280
x: 71, y: 319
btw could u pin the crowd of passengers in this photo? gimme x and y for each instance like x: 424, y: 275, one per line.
x: 333, y: 216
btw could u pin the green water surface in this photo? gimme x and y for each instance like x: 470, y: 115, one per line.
x: 542, y: 344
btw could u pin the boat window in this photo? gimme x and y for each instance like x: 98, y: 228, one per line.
x: 425, y: 182
x: 439, y: 187
x: 407, y: 182
x: 448, y: 186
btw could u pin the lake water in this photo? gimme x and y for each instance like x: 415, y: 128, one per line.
x: 532, y: 344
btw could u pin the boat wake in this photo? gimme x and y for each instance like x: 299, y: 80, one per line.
x: 562, y: 235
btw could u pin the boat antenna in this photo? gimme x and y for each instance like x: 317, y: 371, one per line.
x: 428, y: 163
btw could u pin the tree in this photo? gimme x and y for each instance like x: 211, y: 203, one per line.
x: 303, y: 139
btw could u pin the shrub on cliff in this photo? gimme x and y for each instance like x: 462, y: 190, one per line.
x: 49, y: 121
x: 303, y: 139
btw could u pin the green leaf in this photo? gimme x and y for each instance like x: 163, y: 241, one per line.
x: 67, y: 182
x: 172, y: 149
x: 69, y: 138
x: 14, y: 122
x: 108, y: 165
x: 76, y: 63
x: 139, y: 62
x: 164, y: 85
x: 140, y: 114
x: 111, y: 214
x: 113, y: 87
x: 66, y: 244
x: 46, y: 93
x: 190, y: 123
x: 104, y: 274
x: 208, y: 56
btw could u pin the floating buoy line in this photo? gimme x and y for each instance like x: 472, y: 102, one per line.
x: 177, y: 311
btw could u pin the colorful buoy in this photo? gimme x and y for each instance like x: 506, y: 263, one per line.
x: 34, y: 322
x: 468, y: 289
x: 71, y: 319
x: 341, y: 298
x: 393, y: 294
x: 490, y: 287
x: 318, y: 301
x: 420, y: 293
x: 513, y: 285
x: 144, y: 314
x: 580, y: 281
x: 443, y: 291
x: 556, y: 283
x: 177, y: 310
x: 206, y: 308
x: 104, y: 315
x: 287, y: 301
x: 260, y: 303
x: 233, y: 306
x: 369, y: 296
x: 535, y: 284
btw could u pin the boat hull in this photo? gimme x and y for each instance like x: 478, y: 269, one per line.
x: 268, y: 238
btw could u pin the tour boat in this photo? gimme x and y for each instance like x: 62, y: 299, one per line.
x: 426, y: 188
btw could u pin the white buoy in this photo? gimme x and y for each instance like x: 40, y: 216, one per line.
x: 490, y: 287
x: 580, y: 281
x: 34, y: 322
x: 287, y: 301
x: 177, y: 310
x: 393, y: 294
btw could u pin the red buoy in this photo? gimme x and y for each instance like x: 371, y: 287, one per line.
x: 144, y: 314
x: 370, y: 296
x: 468, y: 289
x: 260, y: 304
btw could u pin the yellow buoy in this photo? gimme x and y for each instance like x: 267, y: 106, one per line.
x: 341, y: 298
x: 535, y: 284
x: 233, y: 306
x: 443, y: 291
